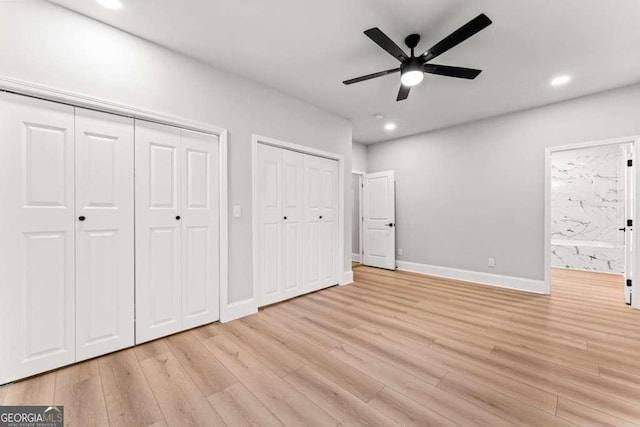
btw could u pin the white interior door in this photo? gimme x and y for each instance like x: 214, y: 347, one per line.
x: 312, y: 199
x: 329, y: 222
x: 37, y: 236
x: 379, y: 213
x: 104, y: 233
x: 158, y: 230
x: 629, y: 250
x: 269, y: 185
x: 292, y: 240
x: 200, y: 231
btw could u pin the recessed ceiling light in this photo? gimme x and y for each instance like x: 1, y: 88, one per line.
x: 111, y: 4
x: 378, y: 116
x: 390, y: 126
x: 561, y: 80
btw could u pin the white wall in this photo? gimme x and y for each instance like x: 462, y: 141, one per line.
x: 49, y: 45
x: 475, y: 191
x: 359, y: 157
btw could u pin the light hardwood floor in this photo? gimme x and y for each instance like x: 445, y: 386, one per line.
x: 392, y: 349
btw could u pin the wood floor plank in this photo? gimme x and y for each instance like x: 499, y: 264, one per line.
x: 237, y: 406
x: 361, y: 385
x: 587, y: 416
x: 181, y: 401
x: 151, y: 349
x: 209, y: 374
x: 39, y: 390
x: 129, y: 399
x: 412, y: 387
x: 79, y: 390
x: 279, y: 359
x: 405, y: 411
x: 290, y: 407
x: 498, y: 403
x: 342, y: 405
x: 207, y: 331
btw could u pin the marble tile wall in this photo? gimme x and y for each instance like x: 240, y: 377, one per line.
x: 588, y: 208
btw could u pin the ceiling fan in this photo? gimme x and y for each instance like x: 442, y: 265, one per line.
x: 412, y: 68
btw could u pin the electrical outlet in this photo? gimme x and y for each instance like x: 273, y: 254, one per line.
x: 399, y: 252
x: 492, y: 262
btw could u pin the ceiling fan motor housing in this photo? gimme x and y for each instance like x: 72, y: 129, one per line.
x: 411, y: 64
x: 412, y: 41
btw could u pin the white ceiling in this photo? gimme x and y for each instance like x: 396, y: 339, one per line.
x: 306, y: 48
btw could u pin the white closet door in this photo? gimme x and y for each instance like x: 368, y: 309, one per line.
x: 104, y: 233
x: 200, y: 234
x: 312, y: 196
x: 37, y: 236
x: 293, y: 246
x: 329, y: 223
x: 270, y: 219
x: 158, y: 237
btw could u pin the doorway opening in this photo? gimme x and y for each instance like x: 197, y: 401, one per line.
x: 590, y: 209
x: 356, y: 219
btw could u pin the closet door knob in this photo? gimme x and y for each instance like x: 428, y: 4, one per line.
x: 320, y: 217
x: 285, y: 217
x: 81, y: 218
x: 178, y: 217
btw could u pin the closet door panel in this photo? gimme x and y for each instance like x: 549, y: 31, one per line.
x: 200, y: 229
x: 270, y: 219
x: 292, y: 174
x: 329, y: 223
x: 37, y: 235
x: 158, y: 230
x: 312, y: 199
x: 104, y: 240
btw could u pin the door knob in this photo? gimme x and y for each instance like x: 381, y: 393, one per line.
x: 285, y: 217
x: 622, y: 229
x: 178, y: 217
x: 81, y: 218
x: 320, y: 217
x: 390, y: 224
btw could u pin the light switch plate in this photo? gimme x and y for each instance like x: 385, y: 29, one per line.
x: 237, y: 211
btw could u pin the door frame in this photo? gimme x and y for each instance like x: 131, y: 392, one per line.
x: 360, y: 174
x: 260, y: 139
x: 21, y: 87
x: 635, y: 141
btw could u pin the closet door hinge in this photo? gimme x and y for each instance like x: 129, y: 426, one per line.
x: 629, y: 282
x: 629, y: 162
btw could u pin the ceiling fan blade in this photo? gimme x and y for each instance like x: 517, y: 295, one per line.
x: 371, y: 76
x: 472, y: 27
x: 446, y: 70
x: 403, y: 93
x: 386, y: 43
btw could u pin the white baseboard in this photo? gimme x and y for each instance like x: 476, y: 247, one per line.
x: 238, y: 309
x: 355, y: 257
x: 489, y: 279
x: 347, y: 278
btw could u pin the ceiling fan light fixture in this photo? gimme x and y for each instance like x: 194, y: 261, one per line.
x: 412, y: 78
